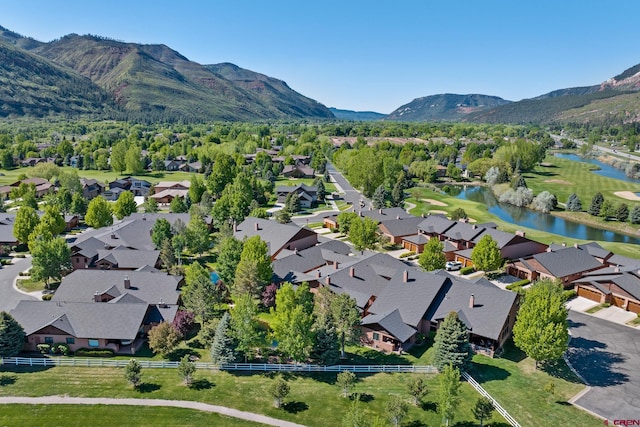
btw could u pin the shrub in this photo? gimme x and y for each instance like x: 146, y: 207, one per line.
x: 407, y: 254
x: 47, y: 297
x: 606, y: 305
x: 44, y: 348
x: 93, y: 352
x: 571, y: 293
x: 60, y: 348
x: 466, y: 270
x: 519, y: 284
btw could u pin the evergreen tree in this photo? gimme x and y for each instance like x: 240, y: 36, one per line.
x: 451, y: 345
x: 199, y: 295
x: 326, y: 349
x: 622, y: 212
x: 518, y: 181
x: 186, y: 369
x: 596, y: 204
x: 634, y: 216
x: 150, y: 205
x: 432, y: 257
x: 177, y: 205
x: 11, y: 336
x: 574, y: 204
x: 133, y: 373
x: 397, y: 195
x: 541, y: 326
x: 320, y: 189
x: 223, y: 349
x: 378, y: 199
x: 283, y: 216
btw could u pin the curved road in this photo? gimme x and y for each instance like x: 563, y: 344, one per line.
x: 230, y: 412
x: 9, y: 296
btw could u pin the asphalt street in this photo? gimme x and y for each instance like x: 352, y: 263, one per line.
x: 607, y: 355
x: 9, y: 297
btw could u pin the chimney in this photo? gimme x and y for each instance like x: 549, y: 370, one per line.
x: 360, y: 213
x: 161, y: 304
x: 295, y: 251
x: 474, y: 226
x: 144, y: 218
x: 564, y: 245
x: 335, y: 265
x: 380, y: 211
x: 521, y: 233
x: 257, y: 226
x: 405, y: 276
x: 96, y: 297
x: 617, y: 269
x: 318, y: 274
x: 113, y: 236
x: 575, y: 245
x: 327, y: 280
x: 127, y: 282
x: 549, y: 249
x: 352, y: 272
x: 472, y: 301
x: 398, y: 217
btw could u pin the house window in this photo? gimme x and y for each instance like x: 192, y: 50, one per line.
x: 376, y: 336
x: 48, y: 340
x: 71, y: 340
x: 94, y: 343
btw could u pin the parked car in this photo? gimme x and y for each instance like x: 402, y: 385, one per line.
x: 453, y: 265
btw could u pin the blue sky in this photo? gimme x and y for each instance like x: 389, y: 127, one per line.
x: 370, y: 55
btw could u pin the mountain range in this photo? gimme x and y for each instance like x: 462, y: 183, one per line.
x: 96, y: 77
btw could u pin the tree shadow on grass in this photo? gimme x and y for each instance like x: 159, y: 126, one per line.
x: 512, y: 353
x: 362, y: 397
x: 7, y: 380
x: 201, y: 384
x: 486, y: 423
x: 559, y: 369
x: 415, y: 423
x: 177, y: 354
x: 485, y: 373
x: 429, y: 406
x: 148, y: 387
x: 295, y: 407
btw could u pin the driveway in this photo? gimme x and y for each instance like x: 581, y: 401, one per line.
x: 607, y: 355
x: 350, y: 194
x: 9, y: 297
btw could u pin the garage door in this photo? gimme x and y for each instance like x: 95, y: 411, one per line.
x: 589, y: 294
x: 617, y: 301
x: 634, y: 307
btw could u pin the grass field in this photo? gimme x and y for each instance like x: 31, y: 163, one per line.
x: 107, y: 416
x: 308, y: 403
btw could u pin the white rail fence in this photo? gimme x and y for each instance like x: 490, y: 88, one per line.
x: 258, y: 367
x: 261, y: 367
x: 496, y: 405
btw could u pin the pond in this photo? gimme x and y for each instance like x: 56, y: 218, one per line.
x: 605, y: 169
x: 537, y: 220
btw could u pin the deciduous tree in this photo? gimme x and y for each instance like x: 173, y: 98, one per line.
x: 541, y: 329
x: 186, y: 369
x: 50, y: 258
x: 26, y: 221
x: 483, y: 410
x: 432, y: 257
x: 163, y: 338
x: 417, y: 389
x: 133, y: 373
x: 244, y: 324
x: 397, y: 409
x: 449, y: 393
x: 292, y: 323
x: 345, y: 319
x: 125, y: 205
x: 98, y: 213
x: 160, y: 232
x: 279, y: 389
x: 229, y: 254
x: 345, y: 380
x: 198, y: 239
x: 363, y: 233
x: 199, y: 295
x: 486, y: 254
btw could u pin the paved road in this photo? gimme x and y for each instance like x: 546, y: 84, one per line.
x: 65, y: 400
x: 607, y: 355
x: 9, y: 297
x: 600, y: 148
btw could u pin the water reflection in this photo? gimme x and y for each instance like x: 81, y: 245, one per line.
x: 538, y: 220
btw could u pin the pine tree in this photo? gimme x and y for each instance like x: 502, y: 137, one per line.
x: 482, y: 410
x: 634, y: 216
x: 622, y: 212
x: 326, y: 348
x: 11, y: 336
x: 397, y: 195
x: 133, y: 373
x: 451, y: 345
x: 596, y: 204
x: 222, y: 349
x: 574, y: 204
x: 378, y: 199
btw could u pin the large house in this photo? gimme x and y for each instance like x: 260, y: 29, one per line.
x: 618, y: 286
x: 100, y: 309
x: 166, y: 191
x: 307, y: 194
x: 279, y: 237
x: 139, y: 187
x: 398, y: 302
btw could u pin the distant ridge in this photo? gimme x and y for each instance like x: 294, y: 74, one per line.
x: 358, y: 116
x: 444, y: 107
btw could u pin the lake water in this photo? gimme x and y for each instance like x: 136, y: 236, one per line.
x: 538, y: 220
x: 605, y: 169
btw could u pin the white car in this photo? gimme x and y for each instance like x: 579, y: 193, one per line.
x: 453, y: 265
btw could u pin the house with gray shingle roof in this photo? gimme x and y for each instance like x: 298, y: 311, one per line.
x: 618, y: 286
x: 307, y: 194
x: 400, y: 228
x: 277, y: 236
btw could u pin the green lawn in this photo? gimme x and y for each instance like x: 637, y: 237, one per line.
x: 108, y: 415
x: 12, y: 175
x: 30, y: 285
x: 329, y: 187
x: 513, y: 381
x: 308, y: 403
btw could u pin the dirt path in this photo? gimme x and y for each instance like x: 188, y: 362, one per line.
x: 66, y: 400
